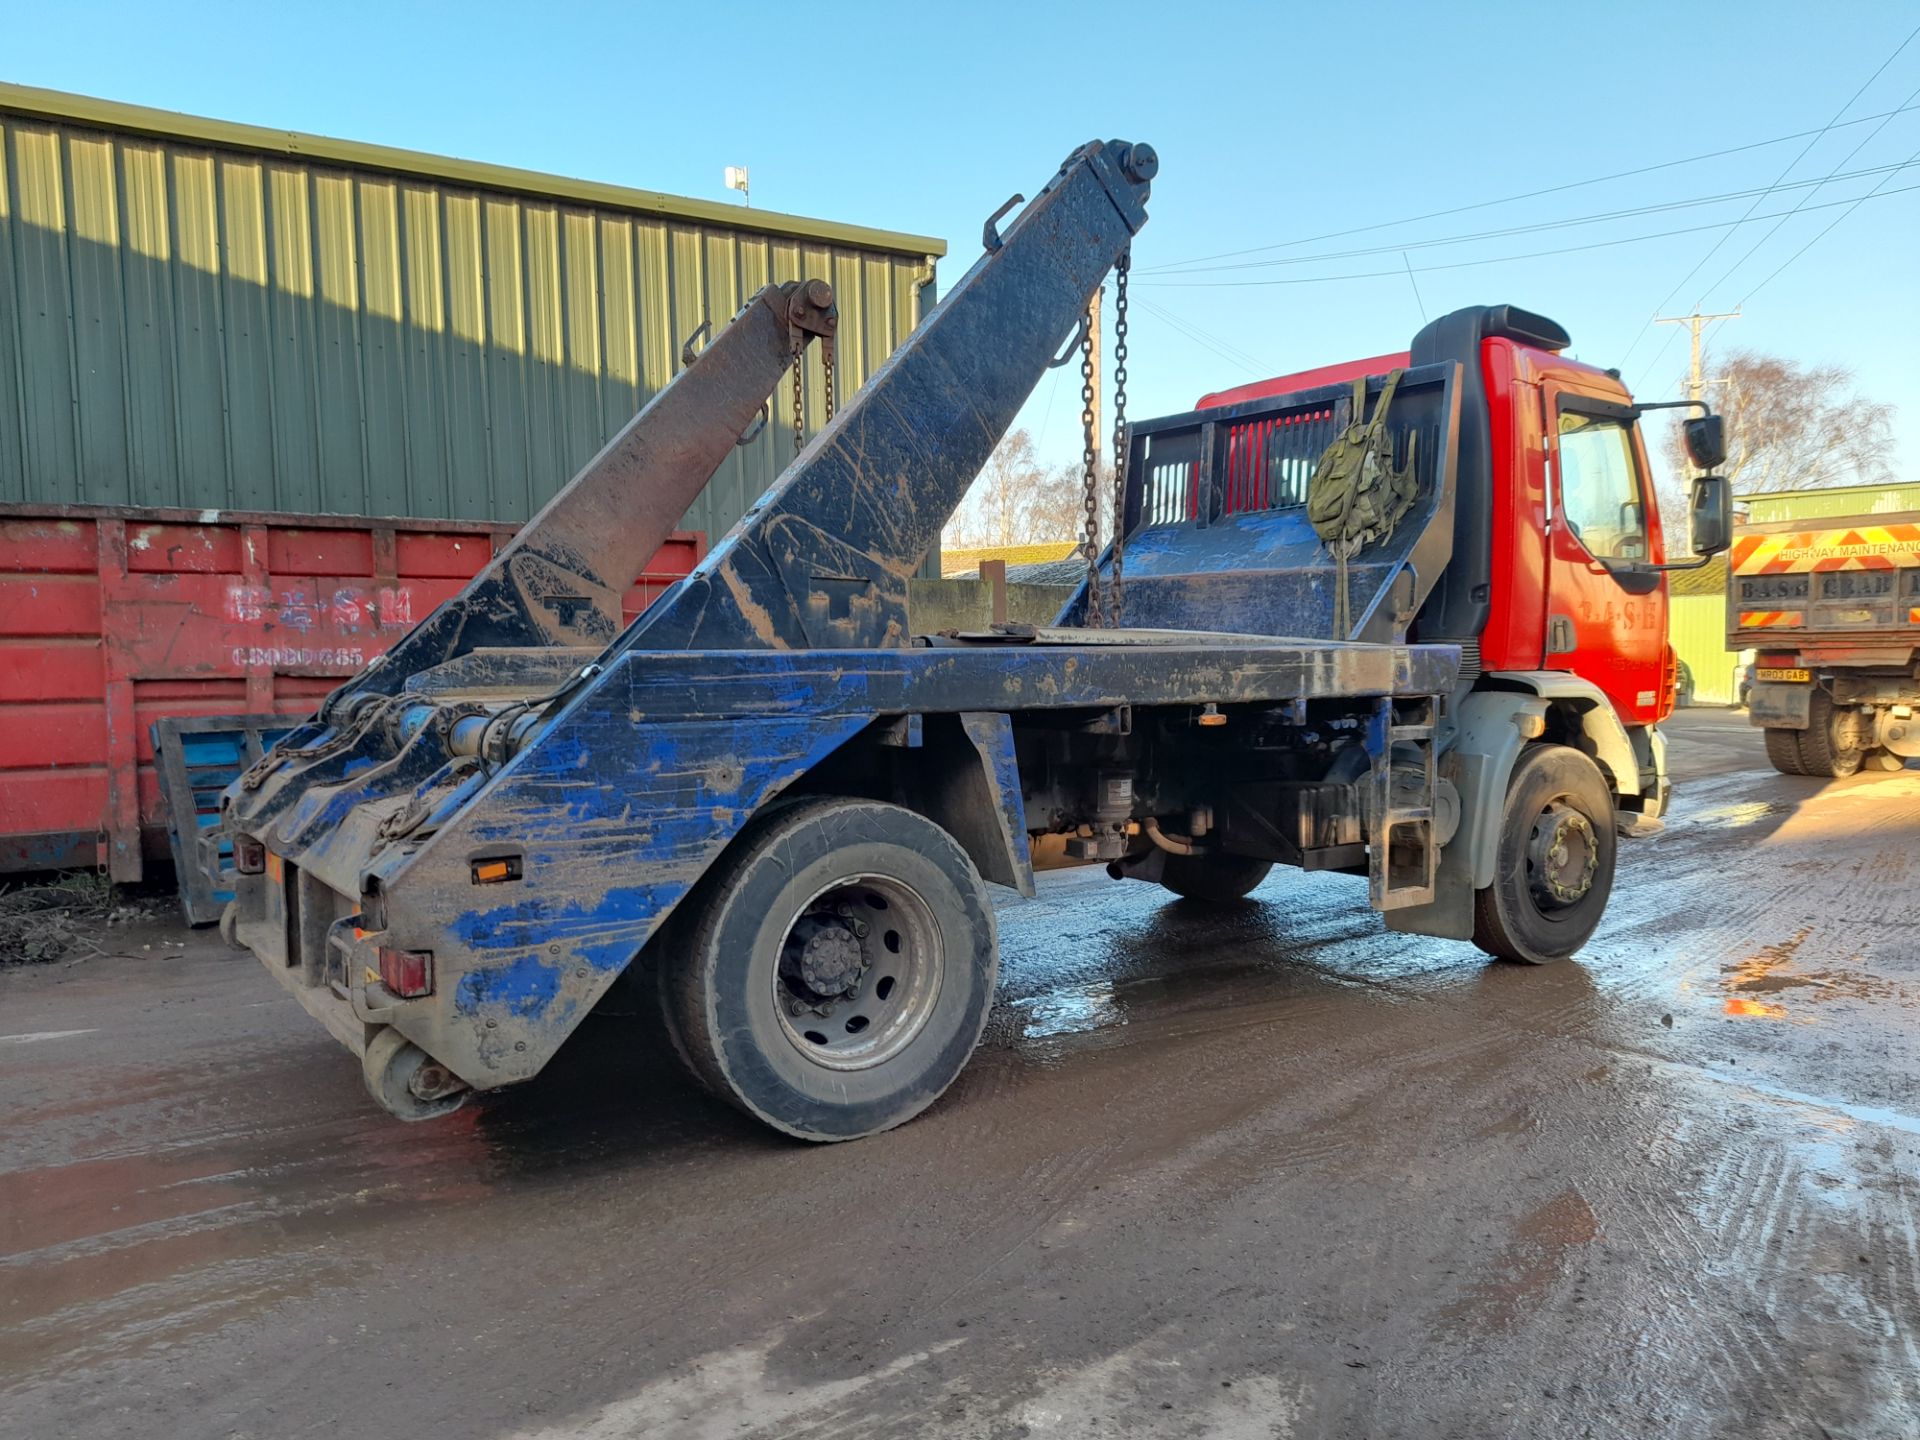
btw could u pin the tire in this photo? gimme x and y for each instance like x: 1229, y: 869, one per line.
x: 1783, y: 749
x: 1819, y: 754
x: 1213, y: 879
x: 1556, y: 797
x: 833, y: 971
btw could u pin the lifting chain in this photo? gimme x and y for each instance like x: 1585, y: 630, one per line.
x: 1110, y: 608
x: 1117, y: 595
x: 800, y: 389
x: 1090, y: 479
x: 799, y: 394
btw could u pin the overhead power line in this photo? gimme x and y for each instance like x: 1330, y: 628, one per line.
x: 1571, y: 222
x: 1791, y: 164
x: 1526, y: 194
x: 1179, y: 284
x: 1805, y: 195
x: 1206, y: 339
x: 1871, y: 194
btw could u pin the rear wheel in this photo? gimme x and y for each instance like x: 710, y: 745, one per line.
x: 1822, y: 750
x: 1783, y: 749
x: 833, y: 972
x: 1554, y: 868
x: 1213, y: 879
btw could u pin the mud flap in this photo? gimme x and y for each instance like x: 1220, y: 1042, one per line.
x: 970, y: 787
x: 1449, y: 914
x: 1780, y: 707
x: 1491, y: 728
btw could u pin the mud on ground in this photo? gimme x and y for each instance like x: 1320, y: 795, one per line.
x: 1269, y: 1173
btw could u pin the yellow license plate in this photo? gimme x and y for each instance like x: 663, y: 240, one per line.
x: 1775, y: 672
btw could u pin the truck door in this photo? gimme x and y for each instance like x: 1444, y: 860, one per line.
x: 1606, y: 619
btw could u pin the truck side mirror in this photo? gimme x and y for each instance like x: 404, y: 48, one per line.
x: 1706, y: 437
x: 1710, y: 512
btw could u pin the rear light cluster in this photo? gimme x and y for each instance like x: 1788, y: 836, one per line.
x: 249, y: 855
x: 407, y: 973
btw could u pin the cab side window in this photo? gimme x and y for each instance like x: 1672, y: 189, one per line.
x: 1600, y: 487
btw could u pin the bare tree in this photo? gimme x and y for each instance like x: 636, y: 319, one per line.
x: 1794, y: 427
x: 992, y: 513
x: 1059, y: 509
x: 1016, y: 500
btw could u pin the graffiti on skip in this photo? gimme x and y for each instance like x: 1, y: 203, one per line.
x: 347, y: 608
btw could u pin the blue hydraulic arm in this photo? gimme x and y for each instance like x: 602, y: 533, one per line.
x: 532, y: 847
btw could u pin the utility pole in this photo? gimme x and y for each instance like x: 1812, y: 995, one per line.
x: 1695, y: 323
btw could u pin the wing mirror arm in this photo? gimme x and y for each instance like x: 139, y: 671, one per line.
x: 1705, y: 434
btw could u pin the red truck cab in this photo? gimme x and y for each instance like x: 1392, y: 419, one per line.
x: 1558, y: 520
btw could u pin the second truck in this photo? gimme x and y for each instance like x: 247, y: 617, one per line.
x: 1825, y: 589
x: 1403, y: 619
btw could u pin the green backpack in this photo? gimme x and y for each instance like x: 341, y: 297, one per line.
x: 1357, y: 494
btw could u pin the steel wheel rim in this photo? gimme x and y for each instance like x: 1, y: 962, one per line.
x: 848, y: 997
x: 1563, y: 854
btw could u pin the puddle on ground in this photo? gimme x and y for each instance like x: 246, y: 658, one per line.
x: 1073, y: 1010
x: 1770, y: 971
x: 1739, y: 816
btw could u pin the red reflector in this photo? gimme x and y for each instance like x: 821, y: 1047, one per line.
x: 407, y: 973
x: 249, y: 855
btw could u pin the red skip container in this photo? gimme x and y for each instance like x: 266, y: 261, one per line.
x: 112, y: 618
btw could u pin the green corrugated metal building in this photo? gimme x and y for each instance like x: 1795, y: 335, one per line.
x: 1831, y: 502
x: 1697, y: 630
x: 218, y: 316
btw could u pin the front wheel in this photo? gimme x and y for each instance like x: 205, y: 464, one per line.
x: 1553, y: 871
x: 834, y: 970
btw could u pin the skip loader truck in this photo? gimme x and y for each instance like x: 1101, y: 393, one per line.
x: 1832, y: 607
x: 1404, y: 621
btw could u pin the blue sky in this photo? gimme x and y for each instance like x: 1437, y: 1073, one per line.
x: 1275, y: 124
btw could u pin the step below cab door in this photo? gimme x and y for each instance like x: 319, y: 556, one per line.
x: 1606, y: 611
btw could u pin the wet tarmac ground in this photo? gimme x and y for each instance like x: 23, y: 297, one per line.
x: 1272, y: 1172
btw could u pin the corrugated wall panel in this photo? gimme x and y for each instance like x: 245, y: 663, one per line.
x: 185, y: 324
x: 13, y: 462
x: 1697, y: 629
